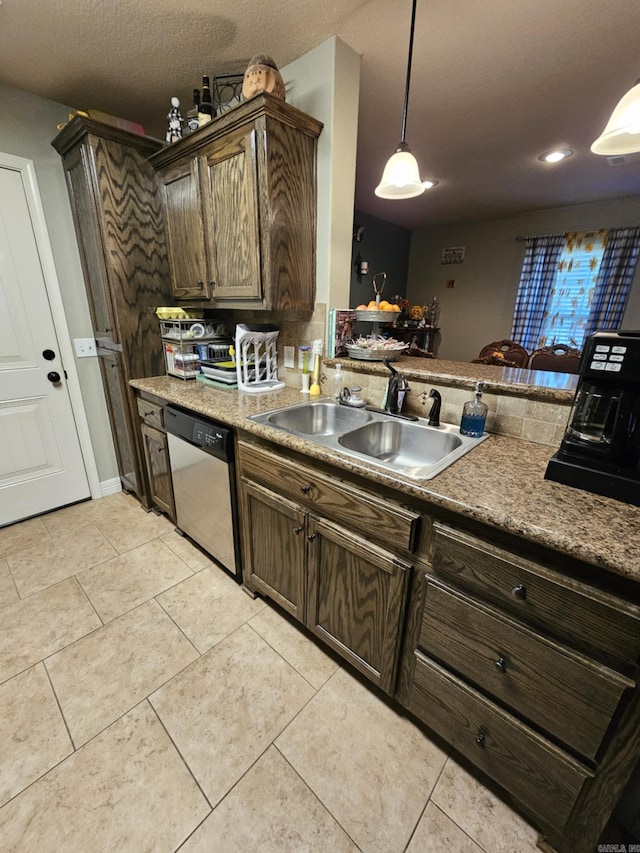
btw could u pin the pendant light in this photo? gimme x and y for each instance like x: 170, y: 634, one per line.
x: 401, y: 176
x: 622, y: 133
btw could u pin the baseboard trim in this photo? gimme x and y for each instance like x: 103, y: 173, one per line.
x: 110, y: 487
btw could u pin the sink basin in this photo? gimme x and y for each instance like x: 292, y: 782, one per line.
x: 404, y: 445
x: 408, y: 448
x: 318, y: 418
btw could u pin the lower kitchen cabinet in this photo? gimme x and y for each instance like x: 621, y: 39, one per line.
x: 156, y: 455
x: 328, y: 574
x: 274, y: 547
x: 355, y: 599
x: 530, y: 672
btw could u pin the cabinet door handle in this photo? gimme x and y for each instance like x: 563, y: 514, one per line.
x: 501, y: 664
x: 311, y: 537
x: 480, y: 740
x: 297, y: 530
x: 519, y: 592
x: 305, y: 489
x: 212, y: 284
x: 200, y: 284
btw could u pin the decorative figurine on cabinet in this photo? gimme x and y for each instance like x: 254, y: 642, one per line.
x: 262, y: 75
x: 174, y: 131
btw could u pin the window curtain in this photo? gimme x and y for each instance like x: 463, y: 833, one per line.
x: 614, y: 279
x: 534, y: 291
x: 573, y: 289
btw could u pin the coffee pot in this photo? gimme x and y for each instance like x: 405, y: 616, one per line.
x: 600, y: 451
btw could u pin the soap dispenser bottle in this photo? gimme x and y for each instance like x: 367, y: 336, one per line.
x: 336, y: 384
x: 474, y: 415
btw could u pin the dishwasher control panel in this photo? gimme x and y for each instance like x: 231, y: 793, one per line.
x: 210, y: 436
x: 207, y: 435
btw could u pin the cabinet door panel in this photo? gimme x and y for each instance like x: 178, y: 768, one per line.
x: 157, y: 455
x: 185, y: 232
x: 123, y: 423
x: 356, y: 595
x: 78, y: 165
x: 274, y: 547
x: 231, y: 210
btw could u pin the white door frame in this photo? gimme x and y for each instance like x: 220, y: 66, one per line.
x: 52, y: 285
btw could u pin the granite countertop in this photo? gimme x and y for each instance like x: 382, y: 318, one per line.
x: 500, y: 483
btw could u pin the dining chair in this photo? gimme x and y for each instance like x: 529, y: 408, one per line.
x: 560, y: 358
x: 504, y: 352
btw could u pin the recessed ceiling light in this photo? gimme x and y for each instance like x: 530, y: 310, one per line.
x: 430, y: 184
x: 556, y: 155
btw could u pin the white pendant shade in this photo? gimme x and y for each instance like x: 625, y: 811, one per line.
x: 401, y: 177
x: 622, y: 133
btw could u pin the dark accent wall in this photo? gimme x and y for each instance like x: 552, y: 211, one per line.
x: 386, y: 247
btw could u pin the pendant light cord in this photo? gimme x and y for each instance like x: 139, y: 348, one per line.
x: 406, y: 90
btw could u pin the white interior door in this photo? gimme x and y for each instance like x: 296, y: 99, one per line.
x: 41, y: 463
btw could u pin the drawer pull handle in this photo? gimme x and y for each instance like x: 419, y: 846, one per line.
x: 297, y: 530
x: 501, y: 664
x: 305, y: 489
x: 147, y: 414
x: 480, y: 740
x: 311, y: 537
x: 519, y: 592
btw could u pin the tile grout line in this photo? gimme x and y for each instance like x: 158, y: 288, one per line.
x: 64, y: 719
x: 293, y: 667
x: 437, y: 779
x: 186, y: 764
x: 316, y: 796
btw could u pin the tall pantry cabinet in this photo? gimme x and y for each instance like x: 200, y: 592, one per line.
x: 119, y: 227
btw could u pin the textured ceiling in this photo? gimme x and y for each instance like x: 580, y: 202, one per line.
x: 494, y: 83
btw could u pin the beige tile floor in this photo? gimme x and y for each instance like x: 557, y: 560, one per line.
x: 148, y: 704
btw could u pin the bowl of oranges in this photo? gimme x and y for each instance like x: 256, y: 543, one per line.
x: 378, y: 312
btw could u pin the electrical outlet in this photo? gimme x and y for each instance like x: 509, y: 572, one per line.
x: 85, y: 347
x: 289, y: 357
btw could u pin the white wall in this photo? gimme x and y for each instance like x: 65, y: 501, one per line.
x: 29, y: 123
x: 325, y: 83
x: 479, y: 308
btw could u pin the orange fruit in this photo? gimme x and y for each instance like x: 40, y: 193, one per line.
x: 361, y: 308
x: 372, y: 305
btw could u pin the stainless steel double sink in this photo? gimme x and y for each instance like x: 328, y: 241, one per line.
x: 411, y: 448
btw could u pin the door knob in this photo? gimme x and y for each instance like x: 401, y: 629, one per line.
x: 48, y: 354
x: 53, y: 376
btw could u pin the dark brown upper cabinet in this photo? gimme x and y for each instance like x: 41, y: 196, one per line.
x: 239, y: 199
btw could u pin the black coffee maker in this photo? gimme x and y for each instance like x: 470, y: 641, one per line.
x: 600, y: 451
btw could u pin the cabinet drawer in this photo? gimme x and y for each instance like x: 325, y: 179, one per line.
x: 540, y: 776
x: 569, y: 696
x: 151, y: 413
x: 574, y: 612
x: 367, y: 513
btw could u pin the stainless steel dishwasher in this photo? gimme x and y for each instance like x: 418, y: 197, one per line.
x: 202, y: 469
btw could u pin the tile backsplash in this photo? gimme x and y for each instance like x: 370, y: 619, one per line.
x: 539, y: 421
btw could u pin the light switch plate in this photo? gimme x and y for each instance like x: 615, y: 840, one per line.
x: 85, y: 347
x: 289, y: 357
